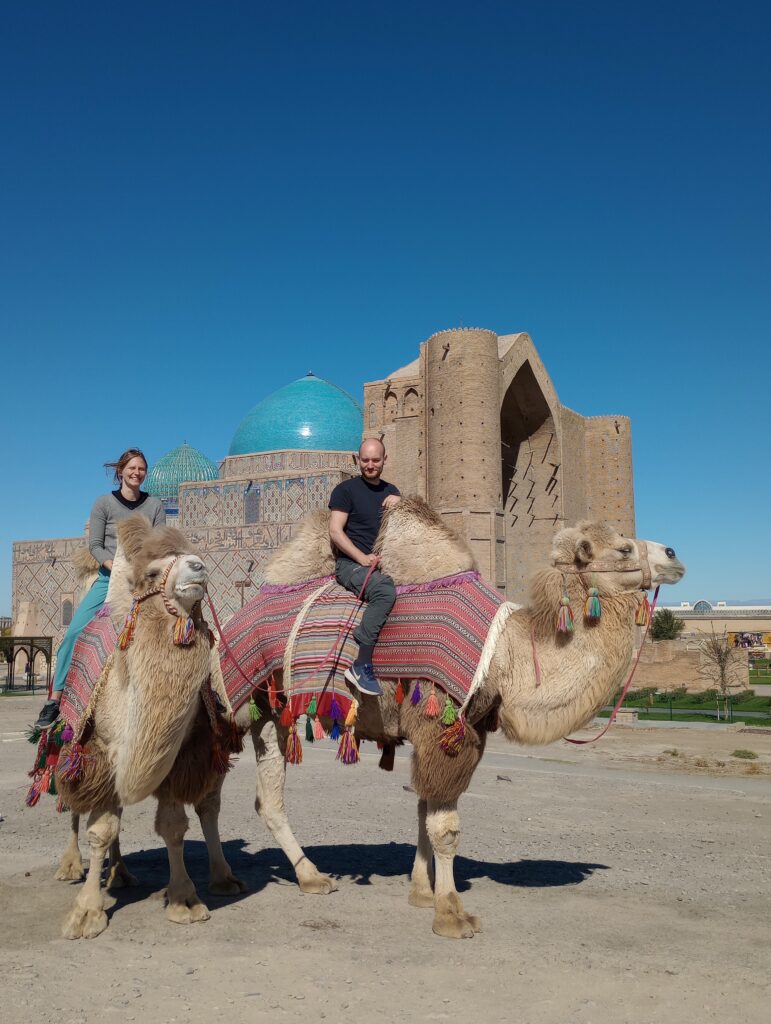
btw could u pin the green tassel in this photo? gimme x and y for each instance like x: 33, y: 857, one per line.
x: 449, y: 714
x: 34, y: 734
x: 592, y: 607
x: 254, y: 712
x: 309, y: 728
x: 313, y: 706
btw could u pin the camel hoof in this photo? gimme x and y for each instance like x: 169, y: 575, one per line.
x: 318, y: 884
x: 70, y: 871
x: 451, y: 927
x: 229, y: 885
x: 187, y: 912
x: 84, y: 924
x: 119, y: 877
x: 421, y: 898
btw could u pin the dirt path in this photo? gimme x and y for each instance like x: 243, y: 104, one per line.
x: 615, y: 883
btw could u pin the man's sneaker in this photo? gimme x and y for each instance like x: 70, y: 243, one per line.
x: 48, y: 715
x: 364, y: 679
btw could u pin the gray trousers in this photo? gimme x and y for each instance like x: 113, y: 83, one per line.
x: 379, y: 595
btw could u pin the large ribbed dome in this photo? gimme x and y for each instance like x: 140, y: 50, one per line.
x: 182, y: 465
x: 309, y: 413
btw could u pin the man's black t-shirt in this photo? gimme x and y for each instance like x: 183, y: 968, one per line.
x: 364, y: 504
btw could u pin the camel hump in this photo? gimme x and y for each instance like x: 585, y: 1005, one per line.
x: 414, y: 543
x: 84, y: 564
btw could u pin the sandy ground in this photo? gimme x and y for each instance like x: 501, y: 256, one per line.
x: 616, y: 883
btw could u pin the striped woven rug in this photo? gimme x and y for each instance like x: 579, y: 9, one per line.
x: 435, y: 633
x: 94, y: 645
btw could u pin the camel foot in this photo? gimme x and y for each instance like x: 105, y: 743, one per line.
x: 83, y: 923
x: 226, y: 885
x: 451, y: 920
x: 311, y: 880
x: 421, y: 897
x: 187, y: 909
x: 119, y: 877
x: 70, y: 870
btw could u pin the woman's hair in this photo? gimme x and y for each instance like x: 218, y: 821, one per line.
x: 122, y: 461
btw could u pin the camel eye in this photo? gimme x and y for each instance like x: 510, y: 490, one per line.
x: 626, y: 550
x: 152, y: 573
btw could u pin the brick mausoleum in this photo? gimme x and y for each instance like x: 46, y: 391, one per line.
x: 474, y: 425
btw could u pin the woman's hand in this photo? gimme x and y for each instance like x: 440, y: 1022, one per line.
x: 107, y: 565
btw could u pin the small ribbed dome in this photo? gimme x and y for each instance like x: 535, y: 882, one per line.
x: 309, y: 413
x: 182, y: 465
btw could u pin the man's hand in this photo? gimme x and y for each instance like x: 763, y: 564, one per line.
x: 369, y: 560
x: 391, y: 500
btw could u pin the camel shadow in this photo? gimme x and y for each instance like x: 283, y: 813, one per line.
x: 359, y: 862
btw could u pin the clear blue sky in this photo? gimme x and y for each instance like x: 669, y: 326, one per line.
x: 199, y: 202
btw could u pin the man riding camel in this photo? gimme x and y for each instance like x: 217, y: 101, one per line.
x: 357, y: 506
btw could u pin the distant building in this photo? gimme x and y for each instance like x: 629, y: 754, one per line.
x: 748, y: 624
x: 473, y: 425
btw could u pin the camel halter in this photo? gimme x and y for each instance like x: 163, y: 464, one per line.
x: 641, y: 565
x: 184, y: 627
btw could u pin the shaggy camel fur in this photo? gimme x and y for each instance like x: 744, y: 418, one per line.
x: 149, y: 732
x: 579, y: 673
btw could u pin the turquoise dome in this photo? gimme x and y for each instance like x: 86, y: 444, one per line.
x: 182, y: 465
x: 308, y: 413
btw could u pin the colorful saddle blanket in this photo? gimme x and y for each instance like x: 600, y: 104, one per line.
x: 435, y: 633
x: 94, y: 646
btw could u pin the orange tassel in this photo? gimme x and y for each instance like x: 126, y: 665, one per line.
x: 350, y: 718
x: 126, y: 635
x: 348, y: 751
x: 399, y: 693
x: 643, y: 613
x: 318, y: 729
x: 432, y: 707
x: 294, y: 748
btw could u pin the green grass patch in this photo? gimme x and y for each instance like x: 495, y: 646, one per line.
x: 745, y: 755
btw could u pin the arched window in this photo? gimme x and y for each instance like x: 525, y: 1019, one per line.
x: 391, y: 407
x: 411, y: 402
x: 703, y: 608
x: 66, y: 611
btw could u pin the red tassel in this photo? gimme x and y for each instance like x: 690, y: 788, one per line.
x: 294, y: 748
x: 318, y: 729
x: 432, y: 708
x: 399, y: 693
x: 452, y: 737
x: 273, y: 694
x: 286, y: 716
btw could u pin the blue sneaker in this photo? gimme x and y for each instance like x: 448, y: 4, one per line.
x: 364, y: 679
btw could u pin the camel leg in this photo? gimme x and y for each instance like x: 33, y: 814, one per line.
x: 71, y: 865
x: 269, y: 804
x: 183, y: 903
x: 87, y: 918
x: 222, y: 881
x: 450, y: 919
x: 118, y: 875
x: 422, y: 891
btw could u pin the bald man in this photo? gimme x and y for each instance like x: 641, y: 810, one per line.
x: 357, y: 506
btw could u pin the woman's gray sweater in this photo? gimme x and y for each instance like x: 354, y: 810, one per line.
x: 105, y: 516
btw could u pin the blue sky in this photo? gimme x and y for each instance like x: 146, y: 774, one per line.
x: 200, y: 202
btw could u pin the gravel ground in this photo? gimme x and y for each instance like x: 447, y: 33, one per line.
x: 622, y: 882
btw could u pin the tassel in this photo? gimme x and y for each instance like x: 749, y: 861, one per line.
x: 592, y: 606
x: 335, y: 711
x: 432, y: 707
x: 318, y: 729
x: 449, y: 714
x: 45, y: 782
x: 643, y: 613
x: 294, y: 748
x: 415, y: 695
x: 67, y: 735
x: 34, y: 734
x: 309, y: 729
x: 399, y: 693
x: 184, y: 632
x: 32, y: 796
x: 72, y: 763
x: 286, y: 716
x: 350, y: 718
x: 565, y: 617
x: 334, y: 732
x: 254, y: 712
x: 348, y: 751
x: 313, y: 706
x: 452, y: 738
x: 273, y: 694
x: 126, y: 635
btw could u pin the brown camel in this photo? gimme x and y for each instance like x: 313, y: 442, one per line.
x: 579, y: 672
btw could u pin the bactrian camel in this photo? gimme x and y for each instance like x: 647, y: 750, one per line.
x: 154, y: 729
x: 579, y: 672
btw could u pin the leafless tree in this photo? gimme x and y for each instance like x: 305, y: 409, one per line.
x: 721, y: 664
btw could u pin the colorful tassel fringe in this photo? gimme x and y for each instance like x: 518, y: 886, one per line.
x: 294, y: 748
x: 643, y: 613
x: 415, y: 695
x: 592, y: 606
x: 565, y: 617
x: 432, y: 708
x: 452, y: 738
x: 399, y: 693
x: 72, y: 763
x: 286, y: 716
x: 254, y: 712
x: 348, y: 751
x: 184, y: 631
x: 126, y: 635
x: 449, y: 714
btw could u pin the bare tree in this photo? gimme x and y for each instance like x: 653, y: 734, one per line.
x: 721, y: 664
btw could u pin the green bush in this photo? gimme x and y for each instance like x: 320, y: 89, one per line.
x: 746, y: 755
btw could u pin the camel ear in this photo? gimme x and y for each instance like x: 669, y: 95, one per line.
x: 132, y: 535
x: 584, y: 551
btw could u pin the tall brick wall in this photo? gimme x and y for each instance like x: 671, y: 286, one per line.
x: 608, y: 469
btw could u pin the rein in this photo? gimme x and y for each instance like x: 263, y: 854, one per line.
x: 184, y: 627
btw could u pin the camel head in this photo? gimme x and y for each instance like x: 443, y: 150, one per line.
x: 163, y: 556
x: 615, y: 563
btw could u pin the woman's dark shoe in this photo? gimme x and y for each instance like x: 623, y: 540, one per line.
x: 49, y: 715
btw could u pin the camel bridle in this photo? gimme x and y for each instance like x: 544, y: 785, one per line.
x: 642, y: 565
x: 184, y: 627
